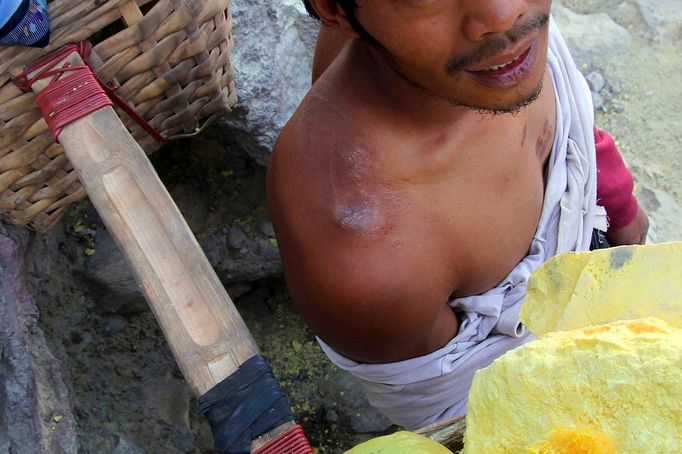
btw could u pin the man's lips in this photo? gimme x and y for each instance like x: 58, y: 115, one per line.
x: 500, y: 60
x: 504, y: 68
x: 509, y: 72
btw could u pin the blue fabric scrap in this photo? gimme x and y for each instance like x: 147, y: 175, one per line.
x: 244, y: 406
x: 24, y: 23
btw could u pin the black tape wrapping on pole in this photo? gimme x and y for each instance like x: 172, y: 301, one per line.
x: 244, y: 406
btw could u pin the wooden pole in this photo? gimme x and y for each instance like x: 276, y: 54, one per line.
x: 208, y: 337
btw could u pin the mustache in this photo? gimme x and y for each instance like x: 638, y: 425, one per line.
x: 497, y: 44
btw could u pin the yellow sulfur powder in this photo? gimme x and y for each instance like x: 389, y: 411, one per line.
x: 581, y: 289
x: 400, y: 443
x: 571, y: 440
x: 608, y: 389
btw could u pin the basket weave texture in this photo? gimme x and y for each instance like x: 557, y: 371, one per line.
x: 171, y: 59
x: 449, y: 433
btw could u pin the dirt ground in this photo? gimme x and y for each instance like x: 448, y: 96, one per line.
x: 644, y: 112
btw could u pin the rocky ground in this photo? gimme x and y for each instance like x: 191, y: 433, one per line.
x: 86, y: 353
x: 631, y: 52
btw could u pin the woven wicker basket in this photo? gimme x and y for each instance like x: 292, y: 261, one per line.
x: 171, y: 59
x: 449, y: 433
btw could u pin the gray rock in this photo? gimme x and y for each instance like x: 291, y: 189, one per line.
x: 267, y: 229
x: 242, y: 254
x: 244, y: 251
x: 661, y: 16
x: 4, y: 444
x: 35, y: 409
x: 109, y: 279
x: 331, y: 416
x: 353, y: 402
x: 237, y: 238
x: 665, y: 214
x: 597, y: 101
x: 628, y: 15
x: 272, y: 59
x: 170, y: 398
x: 125, y: 446
x: 618, y: 107
x: 590, y: 36
x: 114, y: 324
x: 596, y: 81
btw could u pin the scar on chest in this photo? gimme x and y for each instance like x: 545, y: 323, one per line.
x: 365, y: 216
x: 545, y: 139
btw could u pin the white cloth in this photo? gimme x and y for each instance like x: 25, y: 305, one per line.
x: 423, y: 390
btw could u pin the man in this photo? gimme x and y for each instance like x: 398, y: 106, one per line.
x: 444, y: 152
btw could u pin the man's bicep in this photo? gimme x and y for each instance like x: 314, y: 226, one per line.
x: 371, y: 310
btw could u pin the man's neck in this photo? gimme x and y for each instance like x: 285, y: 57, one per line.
x: 416, y: 104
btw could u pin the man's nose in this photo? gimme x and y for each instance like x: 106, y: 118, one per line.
x: 486, y: 17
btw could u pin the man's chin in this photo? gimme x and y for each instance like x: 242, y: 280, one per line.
x: 514, y: 107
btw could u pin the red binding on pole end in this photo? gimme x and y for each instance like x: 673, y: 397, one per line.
x: 76, y: 94
x: 293, y: 441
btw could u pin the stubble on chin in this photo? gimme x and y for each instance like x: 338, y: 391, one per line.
x: 515, y: 108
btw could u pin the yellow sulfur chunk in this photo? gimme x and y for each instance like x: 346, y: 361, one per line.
x: 608, y: 389
x: 581, y: 289
x: 400, y: 443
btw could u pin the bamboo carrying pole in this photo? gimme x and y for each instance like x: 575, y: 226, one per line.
x: 208, y: 337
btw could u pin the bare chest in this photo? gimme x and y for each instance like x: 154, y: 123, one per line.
x: 481, y: 212
x: 469, y: 202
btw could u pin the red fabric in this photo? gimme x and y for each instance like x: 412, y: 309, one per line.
x: 75, y: 95
x: 614, y: 182
x: 293, y: 441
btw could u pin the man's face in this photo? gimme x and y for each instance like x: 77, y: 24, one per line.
x: 483, y: 54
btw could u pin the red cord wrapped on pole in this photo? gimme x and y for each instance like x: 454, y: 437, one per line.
x: 293, y: 441
x: 75, y: 95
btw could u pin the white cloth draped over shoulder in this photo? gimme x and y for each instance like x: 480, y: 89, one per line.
x: 424, y: 390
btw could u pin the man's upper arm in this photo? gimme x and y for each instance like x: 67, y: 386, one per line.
x: 378, y: 299
x: 370, y: 304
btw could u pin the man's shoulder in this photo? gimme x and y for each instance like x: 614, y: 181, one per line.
x: 332, y: 106
x: 325, y: 141
x: 324, y: 175
x: 315, y: 162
